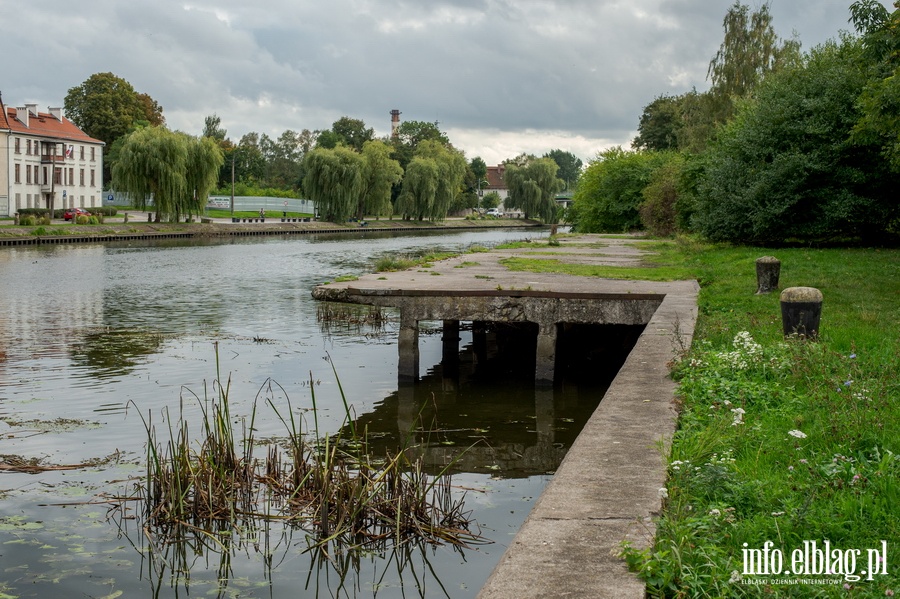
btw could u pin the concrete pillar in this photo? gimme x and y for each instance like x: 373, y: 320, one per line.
x: 544, y: 414
x: 407, y: 410
x: 768, y: 269
x: 450, y: 344
x: 545, y: 360
x: 801, y: 310
x: 408, y: 345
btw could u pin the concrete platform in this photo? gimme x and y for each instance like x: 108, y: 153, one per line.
x: 607, y: 488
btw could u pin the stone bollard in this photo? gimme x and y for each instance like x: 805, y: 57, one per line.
x: 149, y: 217
x: 801, y: 309
x: 768, y: 268
x: 16, y: 219
x: 125, y: 220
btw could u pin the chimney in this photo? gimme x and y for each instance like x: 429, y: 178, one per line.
x: 22, y: 115
x: 57, y: 113
x: 395, y: 122
x: 32, y: 109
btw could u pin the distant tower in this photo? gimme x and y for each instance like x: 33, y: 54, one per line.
x: 395, y: 122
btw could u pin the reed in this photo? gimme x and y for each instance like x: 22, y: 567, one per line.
x: 343, y: 498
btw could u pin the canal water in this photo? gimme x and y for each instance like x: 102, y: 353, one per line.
x: 95, y: 340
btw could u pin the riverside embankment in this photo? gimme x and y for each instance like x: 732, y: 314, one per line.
x: 607, y: 488
x: 116, y: 229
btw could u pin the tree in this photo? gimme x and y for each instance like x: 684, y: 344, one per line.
x: 660, y: 206
x: 106, y: 107
x: 660, y: 124
x: 380, y: 174
x: 611, y: 191
x: 334, y: 181
x: 410, y: 134
x: 174, y: 169
x: 204, y: 160
x: 478, y: 168
x: 750, y: 51
x: 420, y: 183
x: 786, y: 168
x: 352, y: 133
x: 212, y: 128
x: 879, y: 101
x: 490, y: 200
x: 450, y: 169
x: 153, y: 112
x: 533, y: 187
x: 569, y: 167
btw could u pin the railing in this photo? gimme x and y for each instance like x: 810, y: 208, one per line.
x: 45, y: 159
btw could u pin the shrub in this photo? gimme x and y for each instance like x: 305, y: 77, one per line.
x: 81, y: 219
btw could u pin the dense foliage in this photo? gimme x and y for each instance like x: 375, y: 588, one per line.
x: 173, y: 170
x: 784, y: 147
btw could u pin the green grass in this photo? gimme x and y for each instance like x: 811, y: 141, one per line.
x: 225, y: 213
x: 782, y: 441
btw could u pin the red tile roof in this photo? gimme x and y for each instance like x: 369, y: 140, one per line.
x: 495, y: 177
x: 45, y: 125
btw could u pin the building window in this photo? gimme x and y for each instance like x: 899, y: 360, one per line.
x: 28, y: 146
x: 82, y: 152
x: 28, y: 174
x: 92, y: 153
x: 71, y: 176
x: 17, y: 145
x: 93, y: 184
x: 18, y: 174
x: 57, y: 176
x: 81, y: 177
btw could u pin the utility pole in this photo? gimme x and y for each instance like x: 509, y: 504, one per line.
x: 232, y: 184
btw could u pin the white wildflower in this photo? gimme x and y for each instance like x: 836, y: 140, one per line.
x: 715, y: 512
x: 663, y: 493
x: 738, y: 416
x: 798, y: 434
x: 735, y: 577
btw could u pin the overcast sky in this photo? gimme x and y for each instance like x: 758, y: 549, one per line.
x: 501, y: 76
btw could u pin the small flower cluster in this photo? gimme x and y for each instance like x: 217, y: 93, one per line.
x: 746, y: 352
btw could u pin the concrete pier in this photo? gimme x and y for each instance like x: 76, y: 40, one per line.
x: 607, y: 488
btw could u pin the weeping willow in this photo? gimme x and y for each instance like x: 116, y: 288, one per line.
x: 204, y: 160
x: 174, y: 170
x: 420, y: 185
x: 381, y: 173
x: 451, y: 172
x: 334, y: 181
x: 533, y: 188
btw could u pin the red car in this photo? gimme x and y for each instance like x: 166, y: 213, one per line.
x: 75, y: 213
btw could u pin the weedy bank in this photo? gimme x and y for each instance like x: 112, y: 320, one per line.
x: 787, y: 442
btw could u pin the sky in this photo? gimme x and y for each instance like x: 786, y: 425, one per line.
x: 501, y: 77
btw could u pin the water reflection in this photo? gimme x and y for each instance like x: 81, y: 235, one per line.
x: 87, y: 330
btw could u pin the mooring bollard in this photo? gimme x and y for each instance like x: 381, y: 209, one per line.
x: 801, y: 310
x: 768, y: 268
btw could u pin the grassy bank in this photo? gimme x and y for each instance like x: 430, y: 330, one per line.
x: 792, y: 443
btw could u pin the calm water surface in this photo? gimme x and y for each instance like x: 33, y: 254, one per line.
x: 95, y: 339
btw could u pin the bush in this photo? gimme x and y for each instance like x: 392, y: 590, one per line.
x: 81, y: 219
x: 610, y: 191
x: 784, y: 168
x: 658, y: 211
x: 27, y: 221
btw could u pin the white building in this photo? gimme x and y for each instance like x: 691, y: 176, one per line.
x: 47, y: 162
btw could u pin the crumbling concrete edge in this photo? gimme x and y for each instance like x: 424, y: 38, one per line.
x: 607, y: 489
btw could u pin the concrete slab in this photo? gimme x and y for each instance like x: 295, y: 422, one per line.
x: 607, y: 488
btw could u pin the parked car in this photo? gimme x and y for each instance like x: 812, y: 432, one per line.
x: 73, y: 213
x: 495, y: 212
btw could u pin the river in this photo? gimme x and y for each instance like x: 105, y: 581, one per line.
x: 97, y: 339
